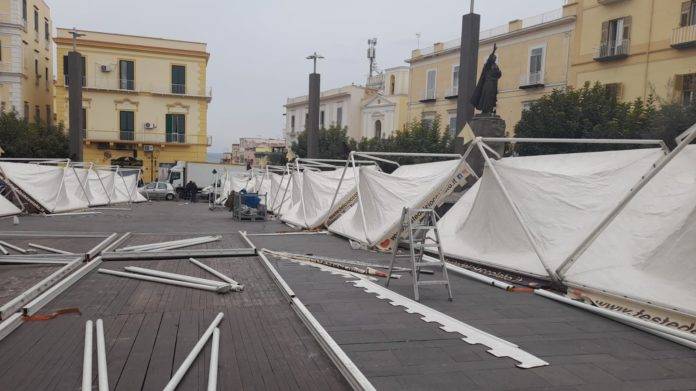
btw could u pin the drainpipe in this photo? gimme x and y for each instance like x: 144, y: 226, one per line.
x: 647, y: 53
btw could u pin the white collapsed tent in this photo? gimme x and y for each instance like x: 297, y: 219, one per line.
x: 279, y: 196
x: 7, y: 208
x: 55, y: 186
x: 620, y: 222
x: 374, y: 219
x: 324, y: 195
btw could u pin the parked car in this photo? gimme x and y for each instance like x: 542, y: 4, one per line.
x: 158, y: 191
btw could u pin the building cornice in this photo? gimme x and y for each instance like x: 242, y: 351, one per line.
x: 130, y: 47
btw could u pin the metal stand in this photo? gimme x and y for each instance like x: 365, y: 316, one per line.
x: 418, y: 241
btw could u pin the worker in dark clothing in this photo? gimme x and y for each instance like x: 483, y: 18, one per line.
x: 193, y: 191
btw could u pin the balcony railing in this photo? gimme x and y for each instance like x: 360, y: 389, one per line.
x: 531, y: 80
x: 609, y: 51
x: 179, y: 89
x: 126, y: 84
x: 429, y: 96
x: 684, y: 37
x: 452, y: 92
x: 146, y: 137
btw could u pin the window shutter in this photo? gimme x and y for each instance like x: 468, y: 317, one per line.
x: 627, y: 27
x: 679, y: 82
x: 685, y: 11
x: 605, y: 32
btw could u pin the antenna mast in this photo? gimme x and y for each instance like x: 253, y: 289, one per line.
x: 371, y: 54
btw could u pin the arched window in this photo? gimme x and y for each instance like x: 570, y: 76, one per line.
x: 392, y: 84
x: 378, y: 129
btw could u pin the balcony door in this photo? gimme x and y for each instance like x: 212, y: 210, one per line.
x: 178, y: 79
x: 126, y: 71
x: 176, y: 128
x: 127, y: 125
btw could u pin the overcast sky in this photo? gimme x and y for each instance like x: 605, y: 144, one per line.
x: 258, y: 47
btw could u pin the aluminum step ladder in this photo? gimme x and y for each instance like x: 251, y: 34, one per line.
x: 415, y: 233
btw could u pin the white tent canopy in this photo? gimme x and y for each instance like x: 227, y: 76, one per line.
x: 7, y: 208
x: 571, y: 206
x: 374, y: 219
x: 322, y: 193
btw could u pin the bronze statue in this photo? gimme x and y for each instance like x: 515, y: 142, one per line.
x: 485, y: 96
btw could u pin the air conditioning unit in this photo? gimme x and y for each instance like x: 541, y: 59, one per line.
x: 105, y: 68
x: 148, y: 148
x: 150, y: 125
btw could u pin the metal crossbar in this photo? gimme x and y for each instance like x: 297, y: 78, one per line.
x: 415, y: 234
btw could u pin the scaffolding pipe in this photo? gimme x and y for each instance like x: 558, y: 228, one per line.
x: 50, y: 249
x: 12, y: 246
x: 101, y: 357
x: 87, y: 358
x: 180, y: 277
x: 213, y: 367
x: 179, y: 374
x: 160, y: 280
x: 235, y: 285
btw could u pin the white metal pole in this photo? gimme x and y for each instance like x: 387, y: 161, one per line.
x: 175, y: 276
x: 644, y: 180
x: 516, y: 211
x: 356, y: 177
x: 12, y: 246
x: 5, y: 252
x: 179, y: 374
x: 87, y: 358
x: 50, y: 249
x: 160, y: 280
x: 60, y: 187
x: 215, y: 272
x: 213, y: 368
x: 101, y: 357
x: 333, y: 200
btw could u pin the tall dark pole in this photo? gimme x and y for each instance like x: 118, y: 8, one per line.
x: 468, y: 67
x: 75, y: 76
x: 313, y: 112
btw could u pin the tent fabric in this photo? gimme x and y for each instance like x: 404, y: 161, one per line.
x: 318, y: 190
x: 126, y: 189
x: 384, y: 196
x: 560, y: 197
x: 45, y: 185
x: 280, y: 197
x: 99, y: 186
x: 7, y: 208
x: 647, y: 252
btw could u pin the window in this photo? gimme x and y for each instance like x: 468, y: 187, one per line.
x: 378, y: 129
x: 614, y: 90
x: 26, y: 111
x: 126, y: 72
x: 65, y: 71
x: 292, y: 123
x: 686, y: 88
x: 339, y: 116
x: 688, y: 14
x: 151, y: 186
x: 536, y: 64
x: 36, y: 22
x: 431, y: 80
x: 47, y: 31
x: 176, y: 128
x: 36, y: 69
x: 24, y: 10
x: 321, y: 119
x: 455, y: 80
x: 526, y: 106
x: 84, y: 123
x: 453, y: 125
x: 392, y: 84
x: 49, y: 119
x: 427, y: 119
x: 616, y: 35
x: 127, y: 125
x: 178, y: 79
x: 37, y: 114
x: 46, y: 76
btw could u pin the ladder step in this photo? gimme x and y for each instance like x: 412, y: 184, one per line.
x: 434, y: 282
x: 415, y: 227
x: 426, y: 245
x: 429, y: 264
x: 403, y: 256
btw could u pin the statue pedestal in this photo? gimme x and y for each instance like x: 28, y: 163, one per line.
x: 482, y: 126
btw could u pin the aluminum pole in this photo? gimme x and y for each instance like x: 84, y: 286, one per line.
x: 179, y: 277
x: 101, y: 358
x: 184, y: 367
x: 213, y: 367
x: 160, y: 280
x: 87, y: 358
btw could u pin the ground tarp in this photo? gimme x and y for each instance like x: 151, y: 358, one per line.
x: 384, y: 196
x: 646, y: 253
x: 318, y: 190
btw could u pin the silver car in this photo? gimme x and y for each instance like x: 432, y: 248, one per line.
x: 158, y: 191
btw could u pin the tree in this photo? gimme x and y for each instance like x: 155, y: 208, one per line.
x: 671, y: 120
x: 333, y: 143
x: 589, y: 112
x: 21, y: 139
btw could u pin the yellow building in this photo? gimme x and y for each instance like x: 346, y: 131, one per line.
x: 640, y: 47
x: 533, y: 55
x: 144, y: 98
x: 26, y: 59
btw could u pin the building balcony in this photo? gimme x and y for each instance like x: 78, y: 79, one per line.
x: 607, y: 2
x: 532, y: 80
x: 146, y: 137
x: 684, y: 37
x: 611, y: 51
x: 132, y: 86
x: 429, y: 96
x: 452, y: 93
